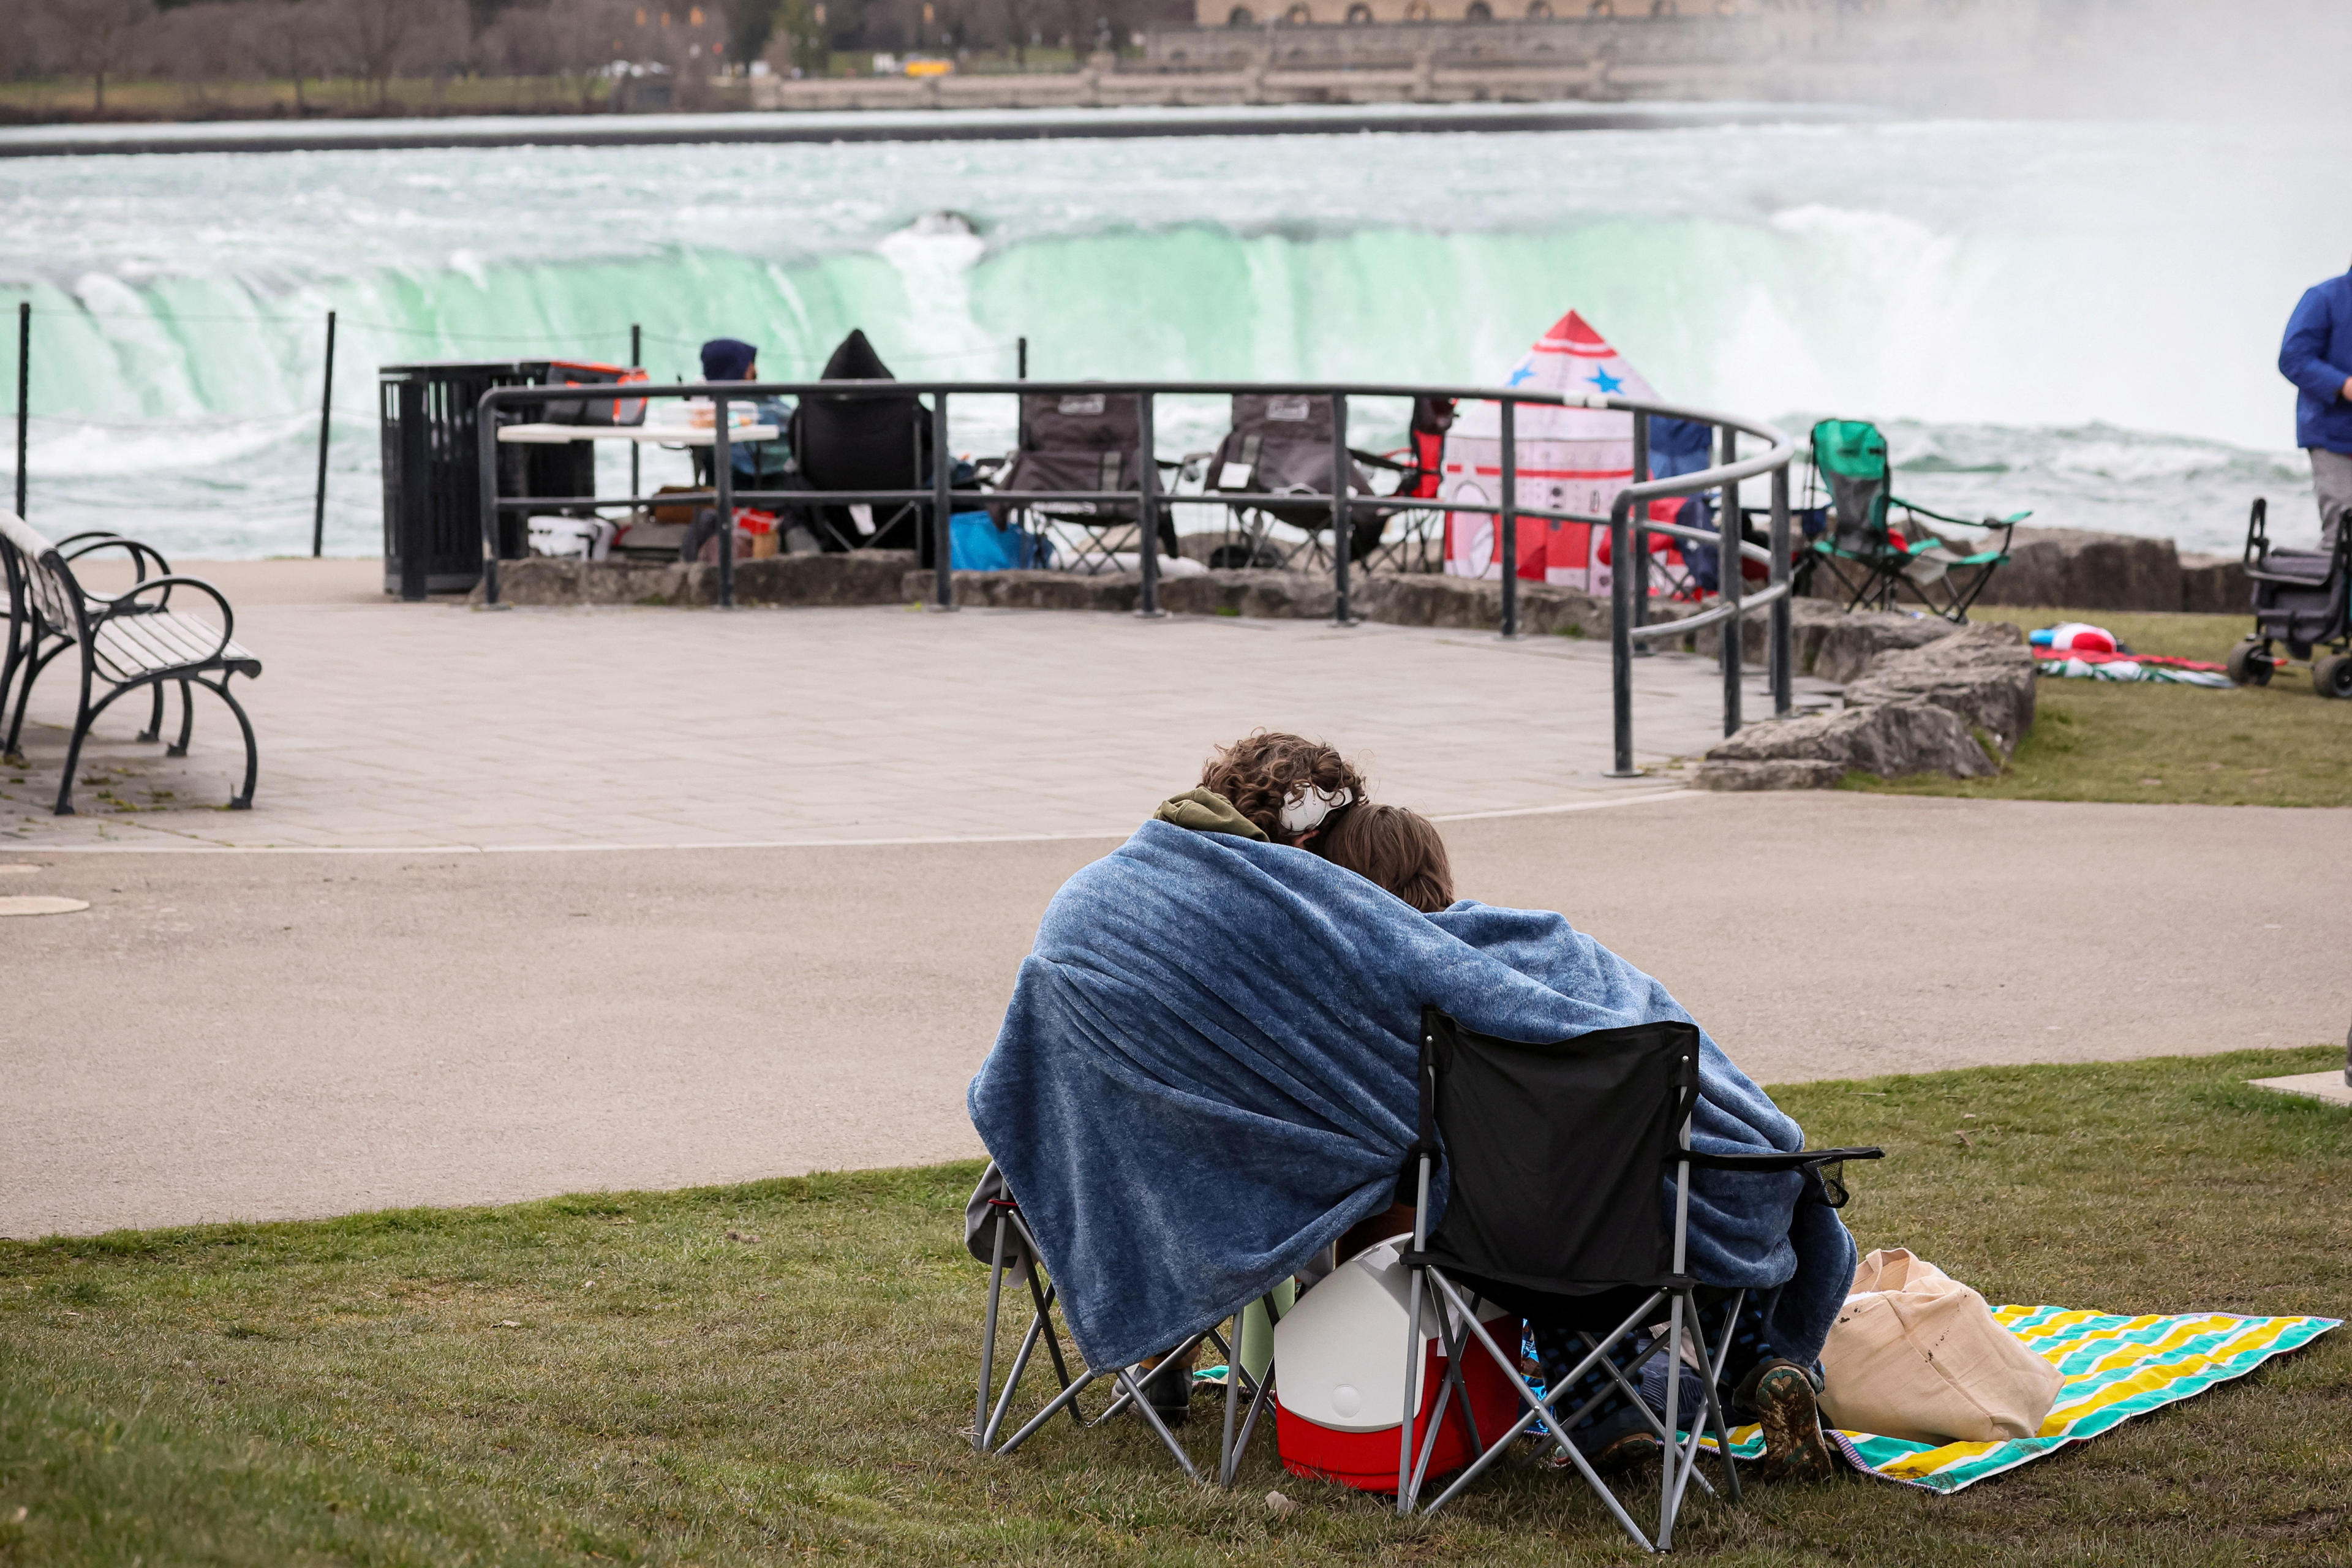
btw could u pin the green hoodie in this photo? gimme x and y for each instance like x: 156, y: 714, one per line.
x: 1206, y: 811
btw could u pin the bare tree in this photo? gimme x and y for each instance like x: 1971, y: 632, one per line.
x: 294, y: 39
x: 572, y: 41
x: 385, y: 36
x: 95, y: 38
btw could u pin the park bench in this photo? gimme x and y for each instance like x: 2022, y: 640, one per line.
x: 120, y: 643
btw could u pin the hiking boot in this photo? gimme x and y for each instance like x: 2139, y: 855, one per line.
x: 1787, y: 1406
x: 1169, y: 1386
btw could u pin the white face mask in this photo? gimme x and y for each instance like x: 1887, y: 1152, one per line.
x: 1305, y: 812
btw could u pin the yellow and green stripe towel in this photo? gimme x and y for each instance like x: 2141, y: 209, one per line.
x: 2115, y: 1368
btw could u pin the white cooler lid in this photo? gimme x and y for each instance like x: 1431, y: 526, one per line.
x: 1339, y: 1352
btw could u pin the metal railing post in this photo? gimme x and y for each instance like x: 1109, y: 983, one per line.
x: 942, y: 506
x: 1147, y: 509
x: 415, y: 543
x: 1507, y: 521
x: 722, y: 472
x: 1620, y: 642
x: 1640, y: 565
x: 1783, y: 696
x: 637, y: 449
x: 1731, y: 579
x: 1341, y: 536
x: 326, y: 413
x: 24, y: 391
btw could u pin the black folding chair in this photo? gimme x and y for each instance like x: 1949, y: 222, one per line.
x: 1080, y: 441
x: 1012, y: 1252
x: 1558, y: 1157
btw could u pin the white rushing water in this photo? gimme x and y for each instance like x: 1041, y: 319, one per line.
x: 2079, y: 318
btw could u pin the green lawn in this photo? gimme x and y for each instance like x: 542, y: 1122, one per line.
x: 780, y: 1372
x: 2279, y: 746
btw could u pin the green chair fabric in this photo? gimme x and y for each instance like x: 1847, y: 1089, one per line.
x: 1869, y: 559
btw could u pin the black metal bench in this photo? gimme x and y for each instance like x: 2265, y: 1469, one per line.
x: 131, y: 639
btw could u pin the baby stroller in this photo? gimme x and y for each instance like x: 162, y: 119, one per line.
x: 1280, y: 444
x: 1077, y: 441
x: 2302, y: 598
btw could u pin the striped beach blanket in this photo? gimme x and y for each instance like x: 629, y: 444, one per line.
x: 2115, y: 1368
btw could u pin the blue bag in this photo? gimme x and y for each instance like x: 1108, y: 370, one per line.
x: 975, y: 544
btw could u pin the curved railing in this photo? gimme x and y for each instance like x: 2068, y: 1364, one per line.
x: 1628, y: 534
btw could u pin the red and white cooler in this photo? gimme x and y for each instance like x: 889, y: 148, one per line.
x: 1339, y: 1377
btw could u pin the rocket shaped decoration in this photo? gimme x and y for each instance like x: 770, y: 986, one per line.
x: 1570, y: 459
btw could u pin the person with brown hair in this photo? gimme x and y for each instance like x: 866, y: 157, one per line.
x: 1393, y: 849
x: 1269, y: 786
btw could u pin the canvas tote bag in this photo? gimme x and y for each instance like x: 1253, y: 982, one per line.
x: 1915, y: 1355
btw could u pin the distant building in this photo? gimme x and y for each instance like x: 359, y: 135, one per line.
x: 1303, y: 13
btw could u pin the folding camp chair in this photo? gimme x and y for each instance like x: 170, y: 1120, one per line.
x: 1078, y: 441
x: 876, y: 443
x: 1280, y: 444
x: 1012, y: 1250
x: 1557, y: 1157
x: 1867, y: 557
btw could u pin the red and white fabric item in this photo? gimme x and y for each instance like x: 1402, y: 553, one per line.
x: 1570, y: 459
x: 2079, y: 636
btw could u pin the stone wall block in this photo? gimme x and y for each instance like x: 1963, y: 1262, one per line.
x: 1254, y: 594
x: 1889, y: 741
x: 2084, y: 570
x: 851, y: 577
x: 2215, y: 585
x: 1781, y: 773
x: 1032, y: 590
x: 1983, y: 673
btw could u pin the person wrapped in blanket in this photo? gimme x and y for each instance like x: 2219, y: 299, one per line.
x: 1775, y: 1384
x: 1281, y: 789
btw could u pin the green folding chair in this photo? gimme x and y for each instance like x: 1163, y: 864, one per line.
x: 1869, y: 560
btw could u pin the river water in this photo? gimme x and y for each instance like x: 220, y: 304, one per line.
x: 2081, y: 318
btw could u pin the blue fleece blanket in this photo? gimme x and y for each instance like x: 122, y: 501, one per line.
x: 1206, y: 1076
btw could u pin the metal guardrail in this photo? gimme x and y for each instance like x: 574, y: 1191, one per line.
x: 1628, y: 534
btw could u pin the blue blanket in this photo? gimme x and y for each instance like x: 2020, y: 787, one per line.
x: 1206, y: 1076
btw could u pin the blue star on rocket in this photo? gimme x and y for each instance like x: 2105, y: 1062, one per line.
x: 1606, y: 382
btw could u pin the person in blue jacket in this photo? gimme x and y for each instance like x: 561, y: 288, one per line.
x: 2317, y: 357
x: 756, y: 464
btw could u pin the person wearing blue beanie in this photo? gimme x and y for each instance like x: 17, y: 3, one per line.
x: 761, y: 465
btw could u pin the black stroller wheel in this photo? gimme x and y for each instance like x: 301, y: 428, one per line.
x: 2332, y: 676
x: 2249, y: 665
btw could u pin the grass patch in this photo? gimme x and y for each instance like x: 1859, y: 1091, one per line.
x: 613, y: 1378
x: 2278, y: 745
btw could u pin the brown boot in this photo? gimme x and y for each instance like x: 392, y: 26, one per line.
x: 1785, y: 1404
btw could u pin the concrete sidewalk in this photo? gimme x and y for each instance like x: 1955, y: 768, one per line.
x: 386, y: 726
x: 382, y: 1016
x: 259, y: 1036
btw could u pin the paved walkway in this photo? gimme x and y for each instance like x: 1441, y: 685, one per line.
x: 228, y: 1035
x: 384, y: 726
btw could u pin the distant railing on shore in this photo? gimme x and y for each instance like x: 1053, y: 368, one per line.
x: 1628, y: 534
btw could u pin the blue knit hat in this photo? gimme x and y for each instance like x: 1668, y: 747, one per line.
x: 727, y: 358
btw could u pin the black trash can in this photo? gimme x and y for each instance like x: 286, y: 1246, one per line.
x: 432, y: 481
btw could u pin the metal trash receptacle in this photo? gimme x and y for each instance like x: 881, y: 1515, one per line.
x: 432, y: 483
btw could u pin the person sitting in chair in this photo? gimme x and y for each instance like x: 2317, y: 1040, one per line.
x: 1776, y: 1385
x: 756, y: 465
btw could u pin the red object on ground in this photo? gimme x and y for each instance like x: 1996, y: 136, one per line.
x: 1368, y: 1461
x: 2162, y: 661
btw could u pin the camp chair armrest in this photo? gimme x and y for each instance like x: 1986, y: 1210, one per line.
x: 1766, y: 1164
x: 2012, y: 521
x: 1374, y: 460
